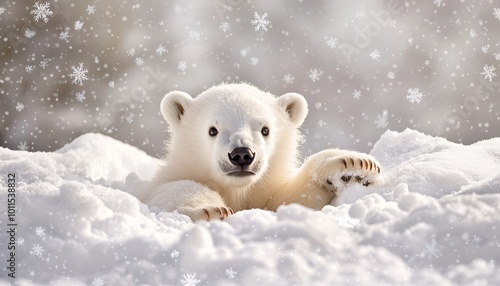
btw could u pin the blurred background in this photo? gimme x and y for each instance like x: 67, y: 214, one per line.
x: 72, y: 67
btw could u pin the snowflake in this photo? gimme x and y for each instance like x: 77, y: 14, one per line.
x: 224, y: 26
x: 19, y: 107
x: 195, y: 36
x: 178, y: 9
x: 2, y: 9
x: 438, y: 2
x: 20, y: 240
x: 161, y: 50
x: 375, y: 54
x: 111, y: 84
x: 131, y: 52
x: 139, y: 61
x: 79, y: 74
x: 321, y: 123
x: 244, y: 52
x: 174, y: 254
x: 331, y: 42
x: 260, y: 22
x: 496, y: 13
x: 23, y: 146
x: 254, y: 61
x: 190, y: 280
x: 432, y: 250
x: 29, y: 68
x: 391, y: 75
x: 414, y: 95
x: 356, y: 94
x: 477, y: 239
x: 80, y: 96
x: 489, y: 72
x: 485, y: 49
x: 41, y: 11
x: 381, y: 121
x: 360, y: 14
x: 64, y: 36
x: 44, y: 63
x: 78, y: 25
x: 90, y: 9
x: 288, y: 78
x: 98, y: 282
x: 29, y: 33
x: 230, y: 273
x: 182, y: 66
x: 37, y: 250
x: 472, y: 33
x: 314, y: 74
x: 130, y: 118
x: 497, y: 56
x: 40, y: 231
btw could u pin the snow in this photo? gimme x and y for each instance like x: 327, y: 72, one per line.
x: 434, y: 220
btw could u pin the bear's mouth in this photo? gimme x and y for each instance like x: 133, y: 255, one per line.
x: 241, y: 173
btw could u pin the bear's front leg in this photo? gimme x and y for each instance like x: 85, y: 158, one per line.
x: 189, y: 198
x: 334, y: 170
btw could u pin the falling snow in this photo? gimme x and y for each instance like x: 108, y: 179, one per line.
x: 19, y: 106
x: 90, y: 9
x: 37, y: 250
x: 356, y: 94
x: 189, y: 280
x: 381, y: 121
x: 160, y: 50
x: 182, y: 66
x: 288, y: 79
x: 496, y: 13
x: 414, y: 95
x: 230, y: 273
x: 488, y: 72
x: 80, y: 96
x: 98, y: 282
x: 78, y: 25
x: 260, y: 22
x: 331, y: 42
x: 375, y: 54
x: 23, y: 146
x: 224, y: 26
x: 29, y: 33
x: 314, y: 74
x: 40, y: 231
x: 79, y: 74
x: 41, y: 12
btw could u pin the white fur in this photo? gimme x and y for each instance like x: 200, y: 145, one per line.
x: 195, y: 180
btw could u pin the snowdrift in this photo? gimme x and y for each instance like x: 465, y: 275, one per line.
x: 435, y: 220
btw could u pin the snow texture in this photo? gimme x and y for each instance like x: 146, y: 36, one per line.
x: 435, y: 220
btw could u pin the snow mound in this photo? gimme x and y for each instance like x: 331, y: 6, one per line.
x: 434, y: 220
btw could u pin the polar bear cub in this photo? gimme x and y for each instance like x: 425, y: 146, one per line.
x: 235, y: 147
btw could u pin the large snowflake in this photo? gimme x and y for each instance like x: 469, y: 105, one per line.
x: 489, y: 72
x: 496, y: 13
x: 79, y: 74
x: 381, y: 121
x: 260, y: 22
x: 41, y: 11
x: 190, y: 280
x: 314, y: 74
x: 414, y: 95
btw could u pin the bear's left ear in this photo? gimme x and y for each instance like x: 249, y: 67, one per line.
x: 173, y: 106
x: 295, y: 106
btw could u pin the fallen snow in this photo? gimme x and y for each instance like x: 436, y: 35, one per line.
x: 435, y: 220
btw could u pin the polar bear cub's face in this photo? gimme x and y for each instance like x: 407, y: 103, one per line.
x: 230, y: 133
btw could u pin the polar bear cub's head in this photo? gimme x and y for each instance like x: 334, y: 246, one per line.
x: 232, y: 134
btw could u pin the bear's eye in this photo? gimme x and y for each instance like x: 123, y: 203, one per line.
x: 265, y: 131
x: 213, y: 131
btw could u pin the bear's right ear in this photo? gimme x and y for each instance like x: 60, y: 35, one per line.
x: 173, y: 106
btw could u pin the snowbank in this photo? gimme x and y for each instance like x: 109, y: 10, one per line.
x: 435, y: 220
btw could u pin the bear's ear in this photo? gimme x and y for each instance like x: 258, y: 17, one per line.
x: 173, y: 106
x: 295, y: 106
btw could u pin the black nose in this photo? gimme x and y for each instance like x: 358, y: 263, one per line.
x: 241, y: 156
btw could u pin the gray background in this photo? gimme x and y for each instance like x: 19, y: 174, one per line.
x: 439, y: 49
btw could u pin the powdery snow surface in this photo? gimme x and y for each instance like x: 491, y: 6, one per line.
x: 434, y: 221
